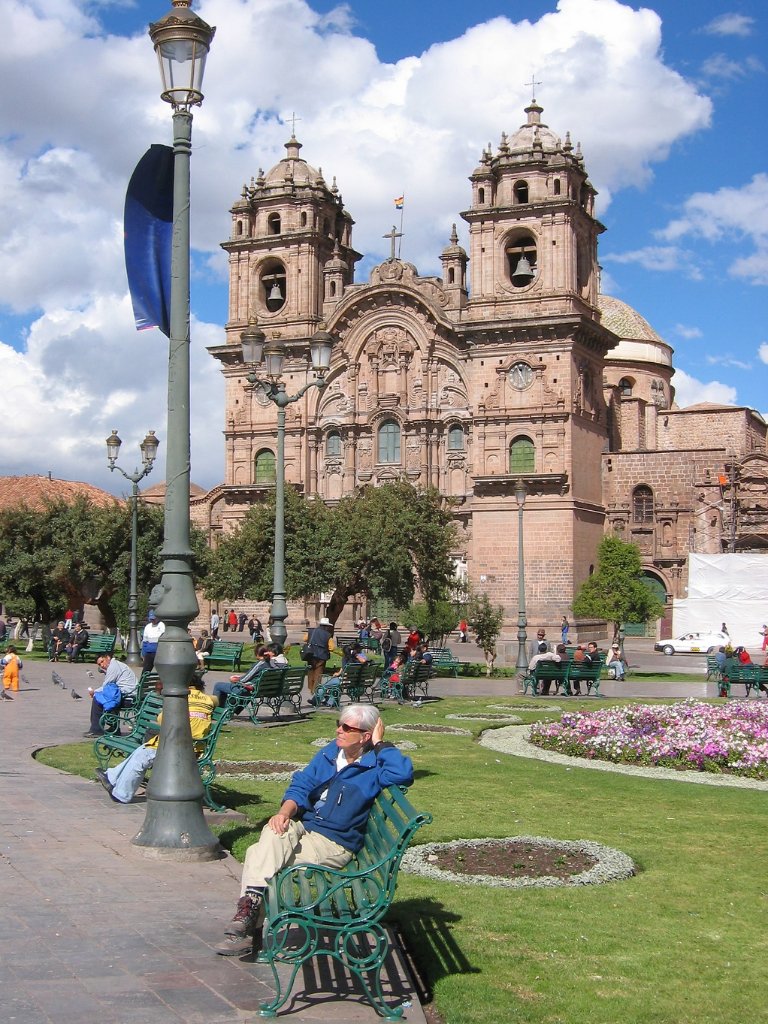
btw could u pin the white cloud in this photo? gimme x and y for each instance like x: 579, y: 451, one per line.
x: 740, y: 213
x: 86, y: 106
x: 658, y: 258
x: 730, y: 25
x: 88, y: 371
x: 683, y: 331
x: 728, y: 360
x: 720, y: 66
x: 690, y: 391
x: 763, y: 352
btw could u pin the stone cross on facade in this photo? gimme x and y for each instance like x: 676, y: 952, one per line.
x: 294, y: 119
x: 393, y: 235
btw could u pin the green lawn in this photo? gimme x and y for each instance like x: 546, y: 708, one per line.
x: 683, y: 942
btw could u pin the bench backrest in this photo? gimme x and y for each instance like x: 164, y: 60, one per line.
x: 146, y: 715
x: 104, y: 643
x: 365, y: 888
x: 225, y: 648
x: 392, y: 823
x: 551, y: 669
x: 415, y: 672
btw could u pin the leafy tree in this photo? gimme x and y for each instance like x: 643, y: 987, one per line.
x: 386, y: 541
x: 616, y: 592
x: 71, y: 554
x: 242, y: 564
x: 434, y: 621
x: 486, y: 620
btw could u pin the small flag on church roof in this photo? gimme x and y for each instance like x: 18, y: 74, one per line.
x: 399, y: 203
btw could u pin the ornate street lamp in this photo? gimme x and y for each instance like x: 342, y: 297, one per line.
x: 148, y: 448
x: 174, y: 825
x: 522, y: 656
x: 269, y: 356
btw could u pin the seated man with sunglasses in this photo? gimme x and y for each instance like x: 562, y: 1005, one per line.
x: 323, y: 816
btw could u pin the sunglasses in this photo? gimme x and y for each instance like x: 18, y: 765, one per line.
x: 348, y: 728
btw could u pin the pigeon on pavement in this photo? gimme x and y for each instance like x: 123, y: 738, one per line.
x: 58, y: 681
x: 75, y: 694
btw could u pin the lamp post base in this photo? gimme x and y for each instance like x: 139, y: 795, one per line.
x: 177, y: 831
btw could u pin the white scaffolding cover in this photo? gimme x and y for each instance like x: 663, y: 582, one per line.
x: 725, y: 588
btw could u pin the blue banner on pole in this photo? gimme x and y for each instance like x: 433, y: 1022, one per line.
x: 148, y: 225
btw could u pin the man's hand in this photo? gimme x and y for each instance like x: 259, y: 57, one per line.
x: 279, y: 822
x: 378, y: 732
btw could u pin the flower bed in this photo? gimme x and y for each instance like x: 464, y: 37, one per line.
x: 725, y: 739
x: 519, y: 862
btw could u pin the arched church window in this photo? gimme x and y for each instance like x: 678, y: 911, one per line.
x: 456, y: 438
x: 481, y: 195
x: 274, y: 286
x: 389, y: 442
x: 239, y: 230
x: 522, y: 260
x: 333, y: 444
x: 451, y: 275
x: 642, y: 504
x: 333, y: 289
x: 625, y: 387
x: 522, y: 456
x: 557, y: 186
x: 303, y: 218
x: 273, y: 224
x: 264, y: 468
x: 521, y: 192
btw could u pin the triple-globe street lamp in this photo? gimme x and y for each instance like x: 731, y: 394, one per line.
x: 267, y: 358
x: 148, y: 448
x: 174, y: 826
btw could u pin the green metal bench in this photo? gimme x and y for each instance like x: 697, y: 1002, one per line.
x: 98, y: 644
x: 226, y: 653
x: 273, y: 688
x: 546, y: 672
x: 124, y: 716
x: 350, y: 683
x: 111, y: 747
x: 313, y: 911
x: 713, y: 669
x: 585, y: 672
x: 754, y: 677
x: 444, y: 661
x: 414, y: 680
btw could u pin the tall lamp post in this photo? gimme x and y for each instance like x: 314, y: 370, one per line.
x: 268, y: 359
x: 148, y: 448
x: 522, y: 637
x: 174, y: 825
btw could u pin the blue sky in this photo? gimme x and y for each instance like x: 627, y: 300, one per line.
x: 668, y: 102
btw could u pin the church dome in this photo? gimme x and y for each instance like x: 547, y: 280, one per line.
x: 293, y: 169
x: 638, y: 340
x: 534, y: 131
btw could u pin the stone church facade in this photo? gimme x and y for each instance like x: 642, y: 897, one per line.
x: 523, y: 372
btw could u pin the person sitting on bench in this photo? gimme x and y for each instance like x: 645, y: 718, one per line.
x: 323, y: 816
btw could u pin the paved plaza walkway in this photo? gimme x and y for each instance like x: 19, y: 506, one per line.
x: 92, y: 932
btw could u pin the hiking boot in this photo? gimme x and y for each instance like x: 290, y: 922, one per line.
x: 241, y: 931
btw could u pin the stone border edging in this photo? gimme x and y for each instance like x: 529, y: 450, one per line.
x: 513, y: 739
x: 612, y: 865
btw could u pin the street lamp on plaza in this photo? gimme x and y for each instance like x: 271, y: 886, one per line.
x: 268, y: 357
x: 522, y: 656
x: 174, y: 825
x: 148, y: 448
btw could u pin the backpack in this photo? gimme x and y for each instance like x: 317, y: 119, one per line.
x: 386, y: 643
